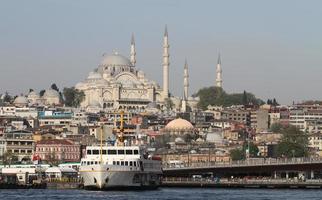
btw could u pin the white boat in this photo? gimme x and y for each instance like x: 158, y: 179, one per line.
x: 119, y: 167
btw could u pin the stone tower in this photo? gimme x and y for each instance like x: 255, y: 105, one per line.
x: 219, y: 73
x: 133, y: 52
x: 166, y: 64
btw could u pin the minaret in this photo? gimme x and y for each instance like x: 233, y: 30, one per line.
x: 185, y: 81
x: 185, y: 87
x: 166, y: 64
x: 219, y: 73
x: 133, y: 52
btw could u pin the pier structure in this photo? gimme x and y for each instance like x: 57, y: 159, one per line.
x: 282, y: 168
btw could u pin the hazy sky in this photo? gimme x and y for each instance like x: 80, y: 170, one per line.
x: 270, y: 48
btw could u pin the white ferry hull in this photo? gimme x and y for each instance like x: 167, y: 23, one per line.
x: 105, y: 177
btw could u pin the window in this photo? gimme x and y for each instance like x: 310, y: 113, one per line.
x: 136, y: 152
x: 134, y: 164
x: 89, y: 152
x: 96, y: 152
x: 111, y: 152
x: 128, y: 152
x: 131, y: 163
x: 114, y: 163
x: 118, y: 162
x: 122, y: 163
x: 120, y: 152
x: 104, y: 152
x: 126, y: 163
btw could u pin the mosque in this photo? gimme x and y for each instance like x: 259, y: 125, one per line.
x: 117, y: 84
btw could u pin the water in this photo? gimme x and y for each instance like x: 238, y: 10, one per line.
x: 164, y: 193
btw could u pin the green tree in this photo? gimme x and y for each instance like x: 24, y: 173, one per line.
x: 7, y: 98
x: 217, y: 96
x: 245, y: 100
x: 42, y: 92
x: 294, y: 143
x: 73, y: 97
x: 54, y: 87
x: 240, y: 153
x: 276, y: 127
x: 168, y: 103
x: 237, y: 154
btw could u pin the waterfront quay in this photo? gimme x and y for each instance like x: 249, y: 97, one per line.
x: 251, y: 173
x: 243, y: 183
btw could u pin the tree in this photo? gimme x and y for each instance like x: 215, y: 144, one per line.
x: 276, y: 127
x: 7, y: 98
x: 240, y: 154
x: 42, y: 92
x: 217, y: 96
x: 54, y: 87
x: 73, y: 97
x: 245, y: 100
x: 237, y: 154
x: 168, y: 103
x: 294, y: 143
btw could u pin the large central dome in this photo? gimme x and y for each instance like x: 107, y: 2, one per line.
x: 115, y: 59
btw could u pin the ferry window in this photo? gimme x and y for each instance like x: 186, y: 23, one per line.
x: 136, y: 152
x: 128, y: 152
x: 104, y: 152
x: 111, y: 152
x: 126, y: 163
x: 122, y: 163
x: 114, y: 163
x: 120, y: 152
x: 118, y: 162
x: 131, y: 163
x: 96, y: 152
x: 92, y: 162
x: 134, y: 164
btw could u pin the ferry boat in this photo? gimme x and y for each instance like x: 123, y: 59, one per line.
x: 119, y: 167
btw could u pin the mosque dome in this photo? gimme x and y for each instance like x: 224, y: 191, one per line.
x: 50, y: 93
x: 94, y: 75
x: 20, y: 101
x: 115, y: 59
x: 33, y: 95
x: 179, y: 125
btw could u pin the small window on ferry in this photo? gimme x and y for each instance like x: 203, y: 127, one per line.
x: 131, y: 163
x: 126, y: 163
x: 134, y: 164
x: 92, y: 162
x: 122, y: 163
x: 104, y: 152
x: 120, y: 152
x: 128, y: 152
x: 114, y: 163
x: 118, y: 162
x: 111, y: 152
x: 136, y: 152
x: 96, y: 152
x: 89, y: 152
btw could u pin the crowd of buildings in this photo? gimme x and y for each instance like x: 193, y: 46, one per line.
x: 36, y: 127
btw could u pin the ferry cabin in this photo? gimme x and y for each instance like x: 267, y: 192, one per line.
x: 130, y: 156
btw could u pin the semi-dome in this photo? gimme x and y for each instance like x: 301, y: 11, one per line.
x: 94, y: 75
x: 115, y: 59
x: 33, y: 95
x: 20, y: 101
x: 50, y: 93
x: 179, y: 124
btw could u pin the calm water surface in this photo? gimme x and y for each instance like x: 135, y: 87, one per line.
x: 164, y: 193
